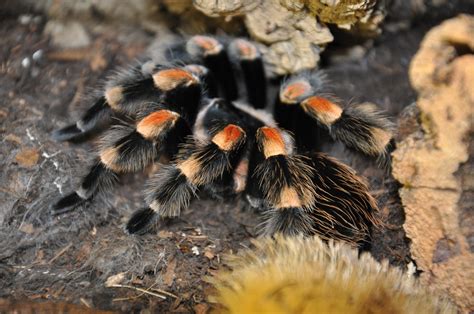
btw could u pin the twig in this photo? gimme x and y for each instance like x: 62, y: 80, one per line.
x: 60, y: 253
x: 164, y: 292
x: 139, y: 289
x: 83, y: 301
x: 197, y: 237
x: 127, y: 299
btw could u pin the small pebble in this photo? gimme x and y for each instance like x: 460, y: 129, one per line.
x: 26, y: 62
x: 37, y: 55
x: 25, y: 19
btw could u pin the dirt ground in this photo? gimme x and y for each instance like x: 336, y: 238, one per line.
x: 69, y: 258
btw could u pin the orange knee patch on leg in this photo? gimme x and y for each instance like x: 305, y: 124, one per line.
x: 288, y: 198
x: 190, y: 168
x: 113, y: 95
x: 108, y: 157
x: 322, y: 109
x: 246, y: 49
x: 229, y: 137
x: 381, y: 139
x: 153, y: 124
x: 210, y: 45
x: 169, y: 79
x: 271, y: 141
x: 293, y: 91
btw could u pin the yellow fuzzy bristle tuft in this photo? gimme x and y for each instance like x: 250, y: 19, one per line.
x: 306, y: 275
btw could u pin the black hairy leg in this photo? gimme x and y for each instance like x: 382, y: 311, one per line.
x: 304, y: 108
x: 94, y: 120
x: 361, y: 127
x: 247, y: 55
x: 135, y: 90
x: 199, y: 163
x: 125, y: 149
x: 291, y: 115
x: 311, y: 193
x: 211, y: 53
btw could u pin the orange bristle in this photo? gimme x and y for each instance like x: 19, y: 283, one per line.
x: 272, y: 134
x: 272, y: 141
x: 159, y: 117
x: 321, y: 104
x: 228, y: 137
x: 246, y: 49
x: 209, y: 44
x: 152, y: 124
x: 114, y: 95
x: 293, y: 91
x: 325, y: 110
x: 176, y: 74
x: 170, y: 78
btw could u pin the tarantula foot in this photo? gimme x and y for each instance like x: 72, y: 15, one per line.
x: 67, y: 203
x: 141, y: 221
x: 68, y: 133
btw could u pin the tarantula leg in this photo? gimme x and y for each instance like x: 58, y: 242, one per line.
x: 251, y: 63
x: 215, y: 58
x: 136, y: 90
x: 292, y: 91
x: 360, y: 127
x: 98, y: 117
x: 98, y: 178
x: 292, y: 117
x: 311, y: 194
x: 176, y: 87
x: 173, y: 186
x: 93, y: 121
x: 285, y: 184
x: 125, y: 149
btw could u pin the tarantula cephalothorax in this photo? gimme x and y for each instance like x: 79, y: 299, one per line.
x: 227, y: 146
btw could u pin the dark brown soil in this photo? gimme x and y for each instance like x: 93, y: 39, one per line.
x: 70, y: 257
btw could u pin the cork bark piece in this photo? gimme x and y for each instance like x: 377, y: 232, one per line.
x: 294, y: 33
x: 426, y: 162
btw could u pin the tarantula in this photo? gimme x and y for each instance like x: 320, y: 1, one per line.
x: 230, y: 145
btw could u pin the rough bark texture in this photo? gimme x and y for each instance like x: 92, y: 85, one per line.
x: 294, y: 33
x: 427, y: 161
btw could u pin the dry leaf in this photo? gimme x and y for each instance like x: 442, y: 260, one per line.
x: 169, y: 276
x: 164, y: 234
x: 27, y: 157
x: 27, y: 228
x: 209, y: 254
